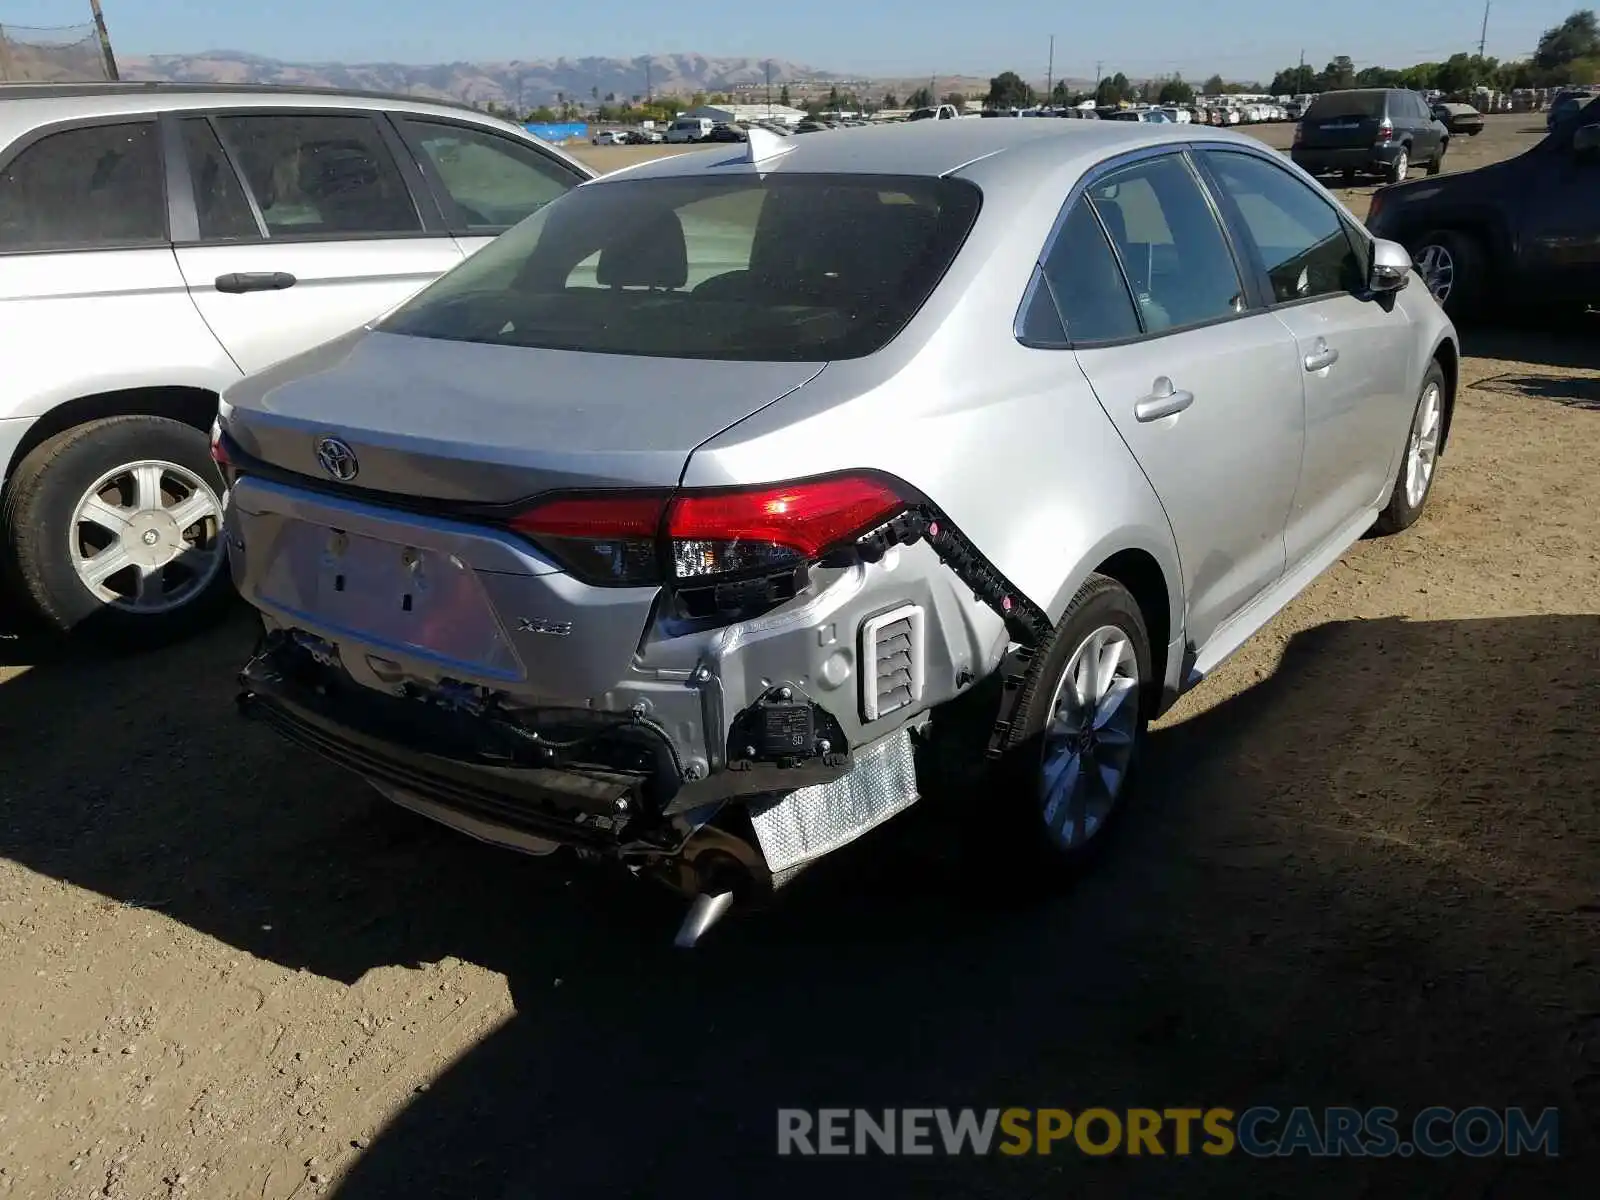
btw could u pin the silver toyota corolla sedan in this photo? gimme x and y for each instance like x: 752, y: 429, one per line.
x: 666, y: 527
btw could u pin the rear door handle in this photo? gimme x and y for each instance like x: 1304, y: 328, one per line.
x: 255, y: 281
x: 1322, y: 355
x: 1163, y: 401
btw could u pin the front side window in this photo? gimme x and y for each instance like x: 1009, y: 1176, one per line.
x: 1172, y: 250
x: 493, y: 181
x: 317, y: 175
x: 100, y: 185
x: 796, y: 268
x: 1299, y: 238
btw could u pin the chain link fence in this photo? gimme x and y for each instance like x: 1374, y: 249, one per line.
x: 64, y: 54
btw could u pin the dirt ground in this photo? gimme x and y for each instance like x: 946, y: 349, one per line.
x: 1364, y: 869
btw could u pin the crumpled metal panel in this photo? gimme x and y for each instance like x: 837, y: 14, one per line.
x: 811, y: 822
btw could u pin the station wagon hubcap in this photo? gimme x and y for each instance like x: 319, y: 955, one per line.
x: 1089, y: 739
x: 1423, y: 448
x: 1438, y: 271
x: 146, y: 537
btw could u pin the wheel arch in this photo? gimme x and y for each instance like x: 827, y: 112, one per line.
x: 1448, y: 355
x: 1139, y: 572
x: 193, y: 406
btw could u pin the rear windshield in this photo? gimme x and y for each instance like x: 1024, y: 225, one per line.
x: 788, y: 268
x: 1346, y: 104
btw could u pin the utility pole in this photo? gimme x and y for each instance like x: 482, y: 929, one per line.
x: 1050, y: 74
x: 105, y: 40
x: 1097, y: 79
x: 768, y: 65
x: 1483, y: 34
x: 648, y: 94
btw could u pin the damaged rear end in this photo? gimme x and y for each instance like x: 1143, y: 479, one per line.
x: 485, y: 592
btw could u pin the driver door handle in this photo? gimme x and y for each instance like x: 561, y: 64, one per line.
x: 1163, y: 401
x: 1322, y: 355
x: 255, y: 281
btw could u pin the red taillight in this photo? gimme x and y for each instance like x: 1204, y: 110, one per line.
x: 606, y: 539
x: 1386, y: 130
x: 615, y: 539
x: 719, y: 532
x: 219, y: 449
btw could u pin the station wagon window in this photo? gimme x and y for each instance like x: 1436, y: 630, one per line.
x: 219, y: 200
x: 1300, y: 240
x: 316, y: 175
x: 790, y: 268
x: 1088, y: 285
x: 493, y: 181
x: 100, y: 185
x: 1172, y: 250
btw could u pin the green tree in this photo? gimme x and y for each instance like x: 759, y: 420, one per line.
x: 921, y: 98
x: 890, y: 100
x: 833, y: 98
x: 1007, y: 90
x: 1113, y: 90
x: 1337, y: 75
x: 1060, y: 95
x: 1578, y: 37
x: 1175, y: 91
x: 543, y: 115
x: 956, y: 100
x: 783, y: 96
x: 1214, y: 86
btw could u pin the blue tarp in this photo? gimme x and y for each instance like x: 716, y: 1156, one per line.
x: 559, y: 133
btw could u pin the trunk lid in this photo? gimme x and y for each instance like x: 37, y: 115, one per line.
x: 475, y: 423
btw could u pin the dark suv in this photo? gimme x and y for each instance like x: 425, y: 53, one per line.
x: 1371, y: 131
x: 1525, y: 231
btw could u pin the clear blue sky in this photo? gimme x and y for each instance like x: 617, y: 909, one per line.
x: 1240, y: 38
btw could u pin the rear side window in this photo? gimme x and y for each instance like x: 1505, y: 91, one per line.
x: 492, y: 181
x: 321, y: 175
x: 1172, y: 250
x: 82, y: 188
x: 1089, y: 289
x: 1302, y: 243
x: 219, y: 199
x: 800, y: 268
x: 1346, y: 104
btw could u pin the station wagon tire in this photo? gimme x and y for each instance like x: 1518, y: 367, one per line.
x: 1437, y: 162
x: 1075, y: 741
x: 1419, y: 459
x: 141, y: 490
x: 1453, y: 265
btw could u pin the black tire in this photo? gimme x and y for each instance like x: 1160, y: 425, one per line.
x: 1401, y: 513
x: 1029, y: 854
x: 1436, y: 164
x: 1469, y: 266
x: 36, y: 526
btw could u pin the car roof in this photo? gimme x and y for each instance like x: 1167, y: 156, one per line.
x: 25, y: 106
x: 935, y: 148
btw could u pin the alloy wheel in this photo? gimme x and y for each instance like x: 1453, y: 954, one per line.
x: 146, y: 537
x: 1437, y: 266
x: 1422, y: 450
x: 1089, y: 737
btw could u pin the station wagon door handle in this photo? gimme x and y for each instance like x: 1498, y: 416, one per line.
x: 1163, y: 401
x: 1322, y: 355
x: 255, y: 281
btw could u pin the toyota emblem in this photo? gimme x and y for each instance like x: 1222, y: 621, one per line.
x: 337, y: 459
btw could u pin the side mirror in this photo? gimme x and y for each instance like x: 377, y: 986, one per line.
x: 1586, y: 141
x: 1391, y: 266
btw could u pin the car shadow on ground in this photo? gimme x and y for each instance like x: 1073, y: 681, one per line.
x: 1567, y: 341
x: 1368, y: 879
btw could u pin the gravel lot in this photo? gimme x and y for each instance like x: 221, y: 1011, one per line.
x: 1365, y: 870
